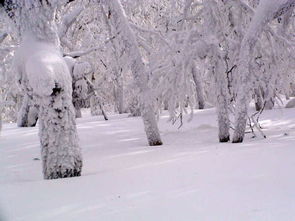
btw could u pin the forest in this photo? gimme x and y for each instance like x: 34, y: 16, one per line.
x: 182, y: 102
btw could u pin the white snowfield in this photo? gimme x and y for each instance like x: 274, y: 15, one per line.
x: 191, y: 177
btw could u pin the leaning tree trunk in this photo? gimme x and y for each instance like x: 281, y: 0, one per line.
x: 116, y: 16
x: 28, y: 113
x: 199, y: 89
x: 222, y: 101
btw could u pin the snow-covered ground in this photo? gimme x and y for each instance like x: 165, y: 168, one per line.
x: 191, y: 178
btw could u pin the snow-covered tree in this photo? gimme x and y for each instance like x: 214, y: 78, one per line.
x: 266, y: 12
x: 40, y: 64
x: 115, y: 15
x: 191, y: 42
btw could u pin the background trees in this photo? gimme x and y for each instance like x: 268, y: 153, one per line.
x: 146, y: 56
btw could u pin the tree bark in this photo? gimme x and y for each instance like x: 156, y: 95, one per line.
x: 222, y: 102
x: 119, y: 98
x: 61, y: 156
x: 199, y: 89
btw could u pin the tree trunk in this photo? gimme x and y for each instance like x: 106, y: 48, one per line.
x: 119, y: 98
x: 28, y: 113
x: 166, y: 104
x: 116, y: 15
x: 94, y: 108
x: 258, y: 99
x: 199, y: 89
x: 222, y: 102
x: 134, y: 107
x: 102, y: 110
x: 78, y: 112
x: 61, y: 156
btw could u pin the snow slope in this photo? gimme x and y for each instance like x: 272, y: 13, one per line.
x: 190, y: 178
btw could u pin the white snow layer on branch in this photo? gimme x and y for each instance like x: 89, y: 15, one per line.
x: 45, y: 69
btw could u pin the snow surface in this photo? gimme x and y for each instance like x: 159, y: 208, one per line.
x: 191, y: 177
